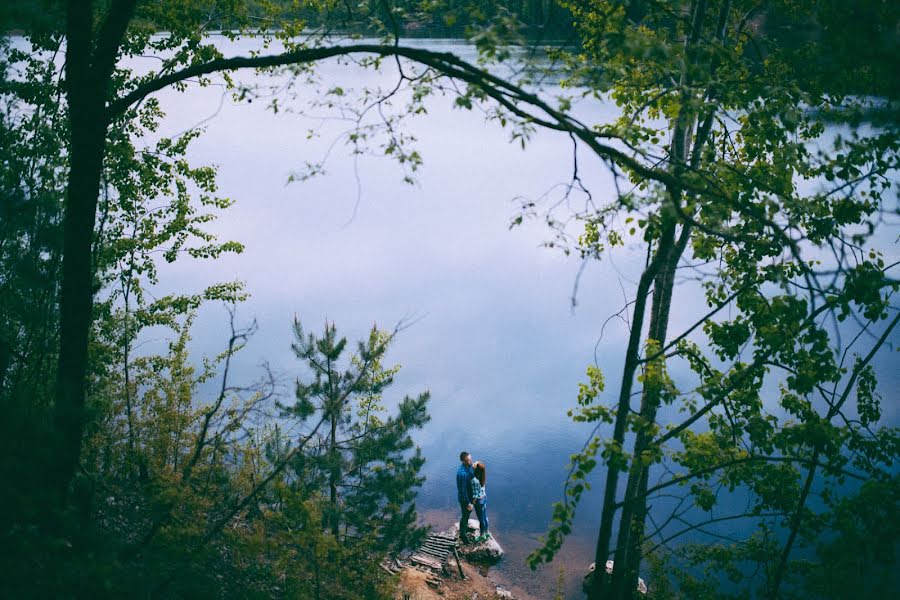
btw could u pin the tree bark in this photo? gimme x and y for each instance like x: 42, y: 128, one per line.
x: 634, y: 508
x: 627, y: 557
x: 333, y: 476
x: 599, y: 585
x: 89, y: 66
x: 87, y: 126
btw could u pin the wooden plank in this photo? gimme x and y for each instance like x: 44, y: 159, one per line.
x: 458, y: 566
x: 435, y: 546
x: 428, y: 561
x: 443, y: 547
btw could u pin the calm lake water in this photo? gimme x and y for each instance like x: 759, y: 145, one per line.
x: 493, y: 332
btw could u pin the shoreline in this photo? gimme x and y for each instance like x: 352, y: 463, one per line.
x: 414, y: 585
x: 564, y: 574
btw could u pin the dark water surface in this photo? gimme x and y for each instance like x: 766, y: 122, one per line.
x: 494, y: 336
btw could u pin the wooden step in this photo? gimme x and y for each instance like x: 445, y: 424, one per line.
x: 437, y: 547
x: 439, y: 542
x: 428, y: 561
x: 440, y: 557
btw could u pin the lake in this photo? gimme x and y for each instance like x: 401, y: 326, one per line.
x: 492, y: 331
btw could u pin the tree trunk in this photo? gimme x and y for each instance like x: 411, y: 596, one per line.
x: 631, y: 528
x: 599, y: 585
x: 89, y: 68
x: 536, y: 12
x: 87, y: 126
x: 334, y: 475
x: 637, y: 498
x: 634, y: 506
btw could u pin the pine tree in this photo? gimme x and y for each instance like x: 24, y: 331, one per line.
x: 362, y: 465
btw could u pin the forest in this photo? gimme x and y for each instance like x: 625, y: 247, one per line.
x: 718, y: 200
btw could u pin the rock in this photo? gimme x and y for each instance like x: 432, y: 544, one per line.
x: 474, y: 529
x: 488, y: 551
x: 589, y: 578
x: 505, y: 594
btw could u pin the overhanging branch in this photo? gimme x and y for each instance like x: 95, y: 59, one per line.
x: 507, y: 94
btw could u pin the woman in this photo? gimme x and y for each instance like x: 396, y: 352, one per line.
x: 480, y: 501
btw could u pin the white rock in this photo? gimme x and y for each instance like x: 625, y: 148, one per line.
x: 488, y: 551
x: 589, y: 576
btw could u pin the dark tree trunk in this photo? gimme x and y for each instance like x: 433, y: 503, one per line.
x: 634, y: 506
x: 89, y: 67
x: 87, y: 130
x: 631, y: 528
x: 635, y: 503
x: 599, y: 585
x: 536, y: 12
x: 334, y: 475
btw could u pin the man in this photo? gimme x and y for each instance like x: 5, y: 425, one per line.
x: 464, y: 476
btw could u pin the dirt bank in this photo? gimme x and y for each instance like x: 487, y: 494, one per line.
x: 414, y: 586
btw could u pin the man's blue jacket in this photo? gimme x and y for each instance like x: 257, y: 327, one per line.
x: 464, y: 476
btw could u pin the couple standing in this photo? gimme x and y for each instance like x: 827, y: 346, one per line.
x: 470, y: 491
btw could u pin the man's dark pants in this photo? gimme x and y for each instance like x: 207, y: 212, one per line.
x: 464, y: 521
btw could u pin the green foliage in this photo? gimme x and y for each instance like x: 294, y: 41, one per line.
x: 734, y: 100
x: 362, y: 462
x: 722, y: 118
x: 166, y: 497
x: 163, y: 479
x: 154, y: 205
x: 859, y: 558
